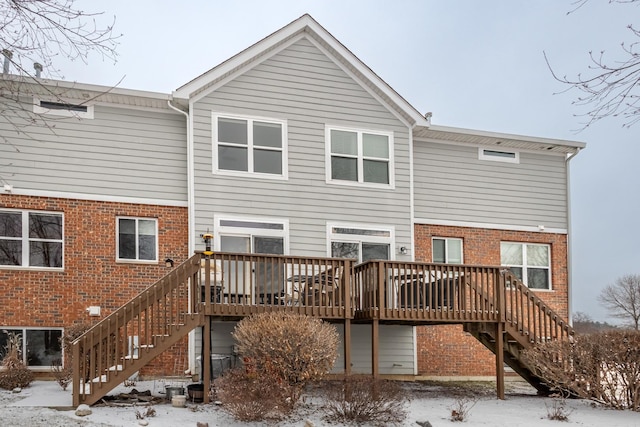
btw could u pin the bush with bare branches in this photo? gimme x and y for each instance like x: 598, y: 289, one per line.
x: 364, y: 399
x: 604, y: 367
x: 282, y: 352
x: 15, y: 373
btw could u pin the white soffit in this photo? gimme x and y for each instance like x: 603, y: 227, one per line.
x: 446, y: 134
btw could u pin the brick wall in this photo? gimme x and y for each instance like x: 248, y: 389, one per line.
x: 91, y: 275
x: 446, y: 350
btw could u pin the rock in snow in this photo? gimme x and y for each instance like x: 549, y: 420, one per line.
x: 83, y: 410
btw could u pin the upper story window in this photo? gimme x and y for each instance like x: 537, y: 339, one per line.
x: 355, y: 156
x: 137, y: 239
x: 61, y: 108
x: 447, y: 250
x: 31, y: 239
x: 250, y: 145
x: 495, y: 155
x: 530, y: 262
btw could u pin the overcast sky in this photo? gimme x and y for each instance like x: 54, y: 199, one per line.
x: 474, y: 64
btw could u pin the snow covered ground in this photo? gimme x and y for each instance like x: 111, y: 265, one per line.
x: 44, y: 403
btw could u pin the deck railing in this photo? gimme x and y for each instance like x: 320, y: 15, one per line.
x: 242, y: 284
x: 389, y: 290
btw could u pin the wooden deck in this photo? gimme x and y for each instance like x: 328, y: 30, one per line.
x: 489, y: 301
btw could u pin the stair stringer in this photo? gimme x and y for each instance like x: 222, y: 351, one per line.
x: 115, y: 376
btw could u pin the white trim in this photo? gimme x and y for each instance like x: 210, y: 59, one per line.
x: 97, y: 197
x: 359, y: 157
x: 499, y: 135
x: 524, y: 266
x: 284, y: 175
x: 38, y: 109
x: 137, y: 259
x: 25, y: 240
x: 412, y: 203
x: 249, y: 231
x: 543, y: 152
x: 535, y: 228
x: 446, y: 248
x: 492, y: 155
x: 23, y: 330
x: 360, y: 238
x: 415, y: 350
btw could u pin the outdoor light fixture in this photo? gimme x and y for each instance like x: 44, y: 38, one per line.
x: 168, y: 263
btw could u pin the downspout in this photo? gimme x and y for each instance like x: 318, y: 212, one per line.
x: 569, y: 236
x: 190, y: 220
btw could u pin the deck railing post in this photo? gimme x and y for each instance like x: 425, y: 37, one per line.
x: 380, y: 303
x: 347, y: 292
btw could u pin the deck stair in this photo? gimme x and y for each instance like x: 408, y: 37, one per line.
x: 132, y: 336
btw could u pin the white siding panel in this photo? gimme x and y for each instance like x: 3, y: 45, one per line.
x: 303, y: 86
x: 121, y: 153
x: 452, y: 184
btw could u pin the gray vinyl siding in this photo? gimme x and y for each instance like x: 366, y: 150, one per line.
x: 452, y: 184
x: 304, y: 87
x: 120, y: 153
x: 396, y: 355
x: 396, y: 347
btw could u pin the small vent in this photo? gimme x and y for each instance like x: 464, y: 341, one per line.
x: 63, y: 106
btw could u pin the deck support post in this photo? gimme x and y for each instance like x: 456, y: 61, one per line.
x: 347, y: 347
x: 375, y: 337
x: 500, y: 360
x: 206, y: 359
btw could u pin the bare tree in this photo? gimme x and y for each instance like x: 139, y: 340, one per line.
x: 611, y: 85
x: 622, y: 299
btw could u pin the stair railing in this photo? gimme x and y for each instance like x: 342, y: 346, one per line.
x: 111, y: 348
x: 530, y: 315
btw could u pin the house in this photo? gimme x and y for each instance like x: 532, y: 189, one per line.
x: 294, y: 151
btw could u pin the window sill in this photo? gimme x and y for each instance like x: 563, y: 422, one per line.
x: 362, y: 184
x: 251, y: 175
x: 22, y: 268
x: 137, y: 261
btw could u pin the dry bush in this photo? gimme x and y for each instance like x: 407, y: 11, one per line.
x: 252, y: 397
x: 558, y: 411
x: 461, y: 408
x: 292, y: 347
x: 63, y: 373
x: 604, y: 367
x: 281, y: 353
x: 364, y: 399
x: 15, y: 373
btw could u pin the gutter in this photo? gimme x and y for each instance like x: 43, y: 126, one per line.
x: 190, y: 217
x: 569, y: 236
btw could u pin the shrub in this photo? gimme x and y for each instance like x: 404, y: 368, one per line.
x: 64, y: 373
x: 364, y: 399
x: 249, y: 396
x: 604, y: 367
x: 15, y: 373
x: 281, y: 352
x: 461, y: 408
x: 558, y: 410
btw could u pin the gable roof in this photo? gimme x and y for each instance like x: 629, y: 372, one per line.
x: 305, y: 26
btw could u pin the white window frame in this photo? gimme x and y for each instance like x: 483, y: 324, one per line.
x: 361, y: 238
x: 360, y: 157
x: 25, y: 239
x: 250, y: 147
x: 23, y: 330
x: 446, y: 248
x: 493, y: 154
x: 248, y: 231
x: 63, y: 112
x: 525, y: 266
x: 137, y: 260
